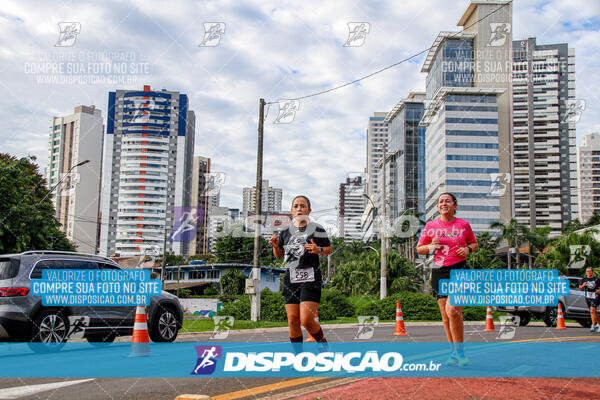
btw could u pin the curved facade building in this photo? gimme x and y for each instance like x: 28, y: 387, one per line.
x: 147, y: 175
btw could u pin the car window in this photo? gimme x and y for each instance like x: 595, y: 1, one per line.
x: 574, y: 283
x: 8, y: 268
x: 60, y: 264
x: 107, y: 266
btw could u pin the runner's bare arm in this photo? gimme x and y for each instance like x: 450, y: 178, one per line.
x: 274, y: 241
x: 314, y: 248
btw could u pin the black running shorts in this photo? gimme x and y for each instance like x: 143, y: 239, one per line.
x: 443, y: 273
x: 295, y: 293
x: 593, y: 302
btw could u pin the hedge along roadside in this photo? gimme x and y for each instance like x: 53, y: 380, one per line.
x: 415, y: 307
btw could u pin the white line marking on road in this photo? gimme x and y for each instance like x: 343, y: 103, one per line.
x: 29, y: 390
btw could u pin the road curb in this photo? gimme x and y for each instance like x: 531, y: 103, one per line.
x: 353, y: 325
x: 327, y: 327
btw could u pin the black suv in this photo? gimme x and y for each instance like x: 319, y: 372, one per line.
x: 24, y: 318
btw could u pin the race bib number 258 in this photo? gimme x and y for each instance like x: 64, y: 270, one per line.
x: 302, y: 275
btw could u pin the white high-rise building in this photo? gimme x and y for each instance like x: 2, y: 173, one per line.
x: 222, y: 221
x: 147, y: 174
x: 74, y: 139
x: 271, y: 198
x: 545, y: 164
x: 377, y: 138
x: 588, y: 176
x: 351, y: 205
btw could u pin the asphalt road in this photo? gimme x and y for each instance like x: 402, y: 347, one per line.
x: 169, y: 388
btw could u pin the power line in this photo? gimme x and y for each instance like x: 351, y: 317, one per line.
x: 396, y: 63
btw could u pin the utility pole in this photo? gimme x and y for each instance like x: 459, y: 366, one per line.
x: 164, y: 260
x: 255, y: 297
x: 383, y: 283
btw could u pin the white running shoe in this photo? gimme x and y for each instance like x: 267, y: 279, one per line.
x: 598, y: 328
x: 593, y: 328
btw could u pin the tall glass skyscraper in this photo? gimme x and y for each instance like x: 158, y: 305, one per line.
x: 406, y: 155
x: 468, y: 116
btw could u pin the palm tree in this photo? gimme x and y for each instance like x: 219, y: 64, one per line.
x: 486, y: 241
x: 572, y: 226
x: 594, y: 220
x: 513, y: 232
x: 560, y: 255
x: 538, y: 241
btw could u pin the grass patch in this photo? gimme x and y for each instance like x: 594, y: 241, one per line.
x: 207, y: 325
x: 359, y: 301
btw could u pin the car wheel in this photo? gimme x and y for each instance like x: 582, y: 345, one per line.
x: 49, y: 331
x: 525, y: 318
x: 586, y: 323
x: 101, y: 340
x: 550, y: 316
x: 164, y: 325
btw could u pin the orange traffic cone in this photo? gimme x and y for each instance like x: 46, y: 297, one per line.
x: 310, y: 338
x: 400, y: 330
x: 140, y: 342
x: 560, y: 318
x: 489, y: 320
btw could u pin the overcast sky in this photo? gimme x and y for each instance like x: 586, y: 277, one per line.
x: 270, y: 49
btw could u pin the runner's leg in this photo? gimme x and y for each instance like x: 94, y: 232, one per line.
x: 307, y: 318
x: 457, y: 329
x: 445, y: 319
x: 293, y: 315
x: 594, y: 315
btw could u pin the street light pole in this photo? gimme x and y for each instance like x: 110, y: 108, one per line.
x: 164, y: 260
x: 383, y: 283
x: 62, y: 179
x: 255, y: 297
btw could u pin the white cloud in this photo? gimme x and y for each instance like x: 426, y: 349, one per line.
x: 270, y: 49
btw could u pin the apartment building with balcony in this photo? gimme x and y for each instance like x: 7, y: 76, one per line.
x: 147, y: 174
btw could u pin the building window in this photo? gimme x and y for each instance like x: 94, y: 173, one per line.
x: 197, y: 274
x: 213, y: 274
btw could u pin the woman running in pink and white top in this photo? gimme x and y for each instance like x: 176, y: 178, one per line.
x: 450, y: 239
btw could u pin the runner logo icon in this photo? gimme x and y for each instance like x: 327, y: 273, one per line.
x: 366, y: 326
x: 207, y: 359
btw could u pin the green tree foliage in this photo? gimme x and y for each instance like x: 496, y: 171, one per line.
x: 360, y: 274
x: 515, y: 235
x: 211, y: 291
x: 486, y: 241
x: 485, y: 256
x: 209, y: 258
x: 27, y: 219
x: 572, y: 226
x: 272, y: 307
x: 172, y: 259
x: 559, y: 255
x: 415, y: 306
x: 484, y: 259
x: 239, y: 249
x: 538, y: 241
x: 338, y: 302
x: 233, y: 282
x: 594, y: 220
x: 347, y: 250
